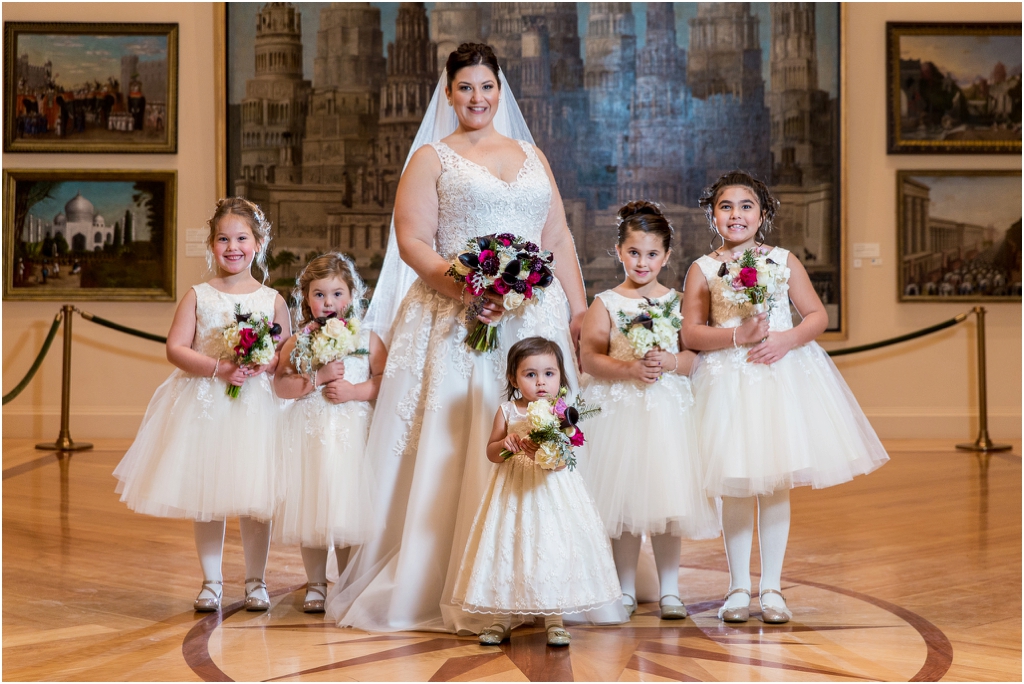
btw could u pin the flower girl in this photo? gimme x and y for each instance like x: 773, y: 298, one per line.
x: 206, y: 447
x: 332, y: 366
x: 774, y: 411
x: 537, y: 546
x: 642, y: 466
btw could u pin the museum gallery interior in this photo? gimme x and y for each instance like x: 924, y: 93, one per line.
x: 875, y: 350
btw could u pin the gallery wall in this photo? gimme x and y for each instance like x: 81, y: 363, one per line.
x: 925, y: 388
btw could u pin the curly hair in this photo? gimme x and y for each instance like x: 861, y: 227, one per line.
x: 471, y: 54
x: 769, y: 205
x: 330, y: 265
x: 522, y: 350
x: 646, y: 217
x: 251, y: 213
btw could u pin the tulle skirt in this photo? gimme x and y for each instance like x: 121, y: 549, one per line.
x: 537, y: 546
x: 641, y: 462
x: 792, y: 423
x: 327, y: 481
x: 202, y: 455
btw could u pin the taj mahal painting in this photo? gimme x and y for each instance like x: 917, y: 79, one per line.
x: 98, y: 235
x: 628, y: 100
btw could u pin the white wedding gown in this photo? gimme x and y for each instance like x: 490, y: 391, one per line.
x: 434, y: 413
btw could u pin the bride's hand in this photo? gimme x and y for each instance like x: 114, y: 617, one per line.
x: 492, y: 310
x: 576, y: 329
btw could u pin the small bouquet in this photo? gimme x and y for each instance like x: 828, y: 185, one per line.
x: 334, y: 338
x: 753, y: 278
x: 656, y: 326
x: 250, y: 341
x: 506, y: 265
x: 554, y: 430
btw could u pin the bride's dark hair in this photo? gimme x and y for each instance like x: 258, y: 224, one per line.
x: 471, y: 54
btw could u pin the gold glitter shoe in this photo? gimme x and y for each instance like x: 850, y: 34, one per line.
x: 741, y: 614
x: 771, y: 615
x: 315, y: 605
x: 558, y: 636
x: 672, y: 612
x: 254, y: 603
x: 495, y: 634
x: 209, y: 605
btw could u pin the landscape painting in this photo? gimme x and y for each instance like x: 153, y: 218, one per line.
x: 627, y: 100
x: 954, y: 88
x: 959, y: 235
x: 90, y: 87
x: 97, y: 235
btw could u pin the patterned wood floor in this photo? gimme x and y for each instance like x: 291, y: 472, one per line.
x: 912, y: 573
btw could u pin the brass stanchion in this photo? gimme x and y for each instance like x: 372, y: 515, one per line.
x: 64, y: 441
x: 983, y: 443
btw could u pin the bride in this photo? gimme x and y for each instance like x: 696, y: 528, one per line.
x: 478, y: 175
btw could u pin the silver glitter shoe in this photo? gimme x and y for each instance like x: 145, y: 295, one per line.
x: 209, y: 605
x: 771, y: 615
x: 315, y: 605
x: 254, y: 603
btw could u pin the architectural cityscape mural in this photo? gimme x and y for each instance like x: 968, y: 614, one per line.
x: 627, y: 100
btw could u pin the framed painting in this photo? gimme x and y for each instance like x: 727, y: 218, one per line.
x: 90, y: 87
x: 954, y: 88
x: 320, y: 102
x: 959, y: 235
x: 89, y: 235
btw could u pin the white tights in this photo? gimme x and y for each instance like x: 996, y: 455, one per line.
x: 315, y: 561
x: 626, y: 551
x: 772, y: 534
x: 255, y: 546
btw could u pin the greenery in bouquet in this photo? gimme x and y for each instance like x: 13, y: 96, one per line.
x: 753, y: 278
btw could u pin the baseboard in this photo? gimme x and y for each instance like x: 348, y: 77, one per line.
x: 898, y: 422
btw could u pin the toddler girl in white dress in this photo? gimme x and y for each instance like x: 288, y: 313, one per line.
x: 327, y: 480
x: 537, y: 545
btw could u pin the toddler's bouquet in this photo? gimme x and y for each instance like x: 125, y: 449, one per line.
x: 753, y: 278
x: 657, y: 325
x: 555, y: 430
x: 334, y: 338
x: 249, y: 341
x: 506, y: 265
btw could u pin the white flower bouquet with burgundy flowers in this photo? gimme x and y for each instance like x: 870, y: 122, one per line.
x: 504, y: 264
x: 753, y: 278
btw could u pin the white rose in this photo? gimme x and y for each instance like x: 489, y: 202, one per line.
x: 232, y: 336
x: 335, y: 329
x: 548, y: 456
x: 513, y: 300
x: 503, y: 260
x: 540, y: 414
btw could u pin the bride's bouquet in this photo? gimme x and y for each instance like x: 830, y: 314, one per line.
x: 753, y: 278
x: 656, y: 326
x: 504, y: 264
x: 249, y: 341
x: 555, y: 431
x: 333, y: 338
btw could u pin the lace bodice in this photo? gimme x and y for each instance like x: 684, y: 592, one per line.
x: 216, y: 309
x: 726, y: 314
x: 472, y: 201
x: 619, y: 346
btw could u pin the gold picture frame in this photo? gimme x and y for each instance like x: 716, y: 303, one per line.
x: 939, y: 101
x: 958, y: 236
x: 59, y: 246
x: 65, y: 87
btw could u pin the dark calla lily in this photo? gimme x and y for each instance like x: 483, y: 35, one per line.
x: 722, y: 271
x: 545, y: 278
x: 242, y: 317
x: 469, y: 260
x: 572, y: 417
x: 513, y: 267
x: 643, y: 319
x: 322, y: 320
x: 275, y: 330
x: 484, y: 243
